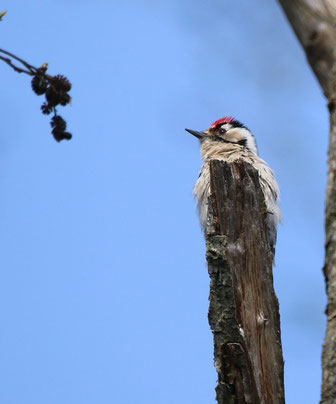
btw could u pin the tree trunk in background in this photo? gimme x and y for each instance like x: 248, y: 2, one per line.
x: 314, y: 22
x: 244, y: 311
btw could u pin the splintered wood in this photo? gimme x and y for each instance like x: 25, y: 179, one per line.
x: 244, y: 310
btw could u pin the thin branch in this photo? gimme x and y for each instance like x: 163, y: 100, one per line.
x: 55, y: 88
x: 16, y: 68
x: 31, y: 68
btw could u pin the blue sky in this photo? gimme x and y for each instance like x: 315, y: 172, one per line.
x: 104, y: 287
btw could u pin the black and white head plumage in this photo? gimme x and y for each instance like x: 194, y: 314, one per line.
x: 230, y: 130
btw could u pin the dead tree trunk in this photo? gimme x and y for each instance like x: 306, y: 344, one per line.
x: 243, y: 312
x: 314, y: 23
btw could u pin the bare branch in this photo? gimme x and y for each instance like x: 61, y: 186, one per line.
x: 31, y: 68
x: 314, y: 25
x: 16, y: 68
x: 55, y: 88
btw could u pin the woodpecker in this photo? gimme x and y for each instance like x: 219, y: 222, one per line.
x: 229, y: 140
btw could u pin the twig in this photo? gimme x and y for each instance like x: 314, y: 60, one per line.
x: 16, y: 68
x: 31, y: 68
x: 55, y: 88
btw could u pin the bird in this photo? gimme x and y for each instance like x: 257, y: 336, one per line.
x: 229, y: 140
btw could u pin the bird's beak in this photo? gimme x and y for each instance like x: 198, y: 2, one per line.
x: 199, y: 135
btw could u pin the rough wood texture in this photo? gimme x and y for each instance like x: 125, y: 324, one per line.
x: 314, y: 23
x: 329, y: 347
x: 243, y: 312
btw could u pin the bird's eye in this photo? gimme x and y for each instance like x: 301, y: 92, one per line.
x: 222, y: 130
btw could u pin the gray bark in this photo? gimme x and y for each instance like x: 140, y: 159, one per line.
x: 243, y: 312
x: 314, y: 23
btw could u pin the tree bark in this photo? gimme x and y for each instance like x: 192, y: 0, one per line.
x: 314, y: 23
x: 329, y: 346
x: 243, y: 312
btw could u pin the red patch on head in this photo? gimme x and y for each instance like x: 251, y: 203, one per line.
x: 225, y: 119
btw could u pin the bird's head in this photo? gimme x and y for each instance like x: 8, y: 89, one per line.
x: 227, y: 130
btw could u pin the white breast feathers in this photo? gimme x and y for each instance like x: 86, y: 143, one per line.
x: 230, y: 153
